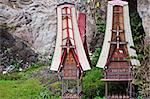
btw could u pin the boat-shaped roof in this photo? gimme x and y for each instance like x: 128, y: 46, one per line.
x: 78, y: 35
x: 118, y: 2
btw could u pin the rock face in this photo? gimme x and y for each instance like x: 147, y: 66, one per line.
x: 14, y: 51
x: 34, y: 21
x: 144, y: 12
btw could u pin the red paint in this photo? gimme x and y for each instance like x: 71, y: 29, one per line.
x: 67, y: 23
x: 81, y: 20
x: 82, y: 24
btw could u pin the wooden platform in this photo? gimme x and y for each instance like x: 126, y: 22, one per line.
x: 118, y: 97
x: 71, y: 96
x: 116, y: 79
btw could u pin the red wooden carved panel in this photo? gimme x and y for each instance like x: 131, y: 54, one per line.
x: 118, y: 70
x: 70, y: 67
x: 118, y: 17
x: 70, y: 59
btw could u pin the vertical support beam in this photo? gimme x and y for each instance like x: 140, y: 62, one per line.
x: 81, y: 85
x: 130, y: 91
x: 62, y: 85
x: 78, y: 86
x: 67, y: 85
x: 106, y: 90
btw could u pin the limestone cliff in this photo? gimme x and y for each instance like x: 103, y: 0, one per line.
x: 144, y: 12
x: 34, y: 22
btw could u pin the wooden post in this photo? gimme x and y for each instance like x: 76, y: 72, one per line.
x: 62, y: 85
x: 106, y: 90
x: 130, y: 91
x: 78, y: 85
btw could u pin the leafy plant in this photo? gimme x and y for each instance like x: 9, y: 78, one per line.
x: 92, y: 86
x: 100, y: 24
x: 141, y: 73
x: 137, y: 28
x: 11, y: 76
x: 95, y: 56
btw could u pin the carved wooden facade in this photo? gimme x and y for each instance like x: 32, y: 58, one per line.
x: 118, y: 66
x: 71, y: 55
x: 116, y: 50
x: 71, y: 75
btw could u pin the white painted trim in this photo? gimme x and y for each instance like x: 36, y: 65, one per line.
x: 57, y: 53
x: 108, y: 34
x: 128, y: 36
x: 118, y: 2
x: 78, y: 42
x: 66, y: 5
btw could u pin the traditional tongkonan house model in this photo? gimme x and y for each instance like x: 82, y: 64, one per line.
x: 70, y: 57
x: 116, y: 50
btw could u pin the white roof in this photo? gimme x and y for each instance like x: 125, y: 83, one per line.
x: 118, y: 2
x: 77, y: 39
x: 128, y: 36
x: 79, y: 44
x: 57, y: 53
x: 108, y: 34
x: 106, y: 45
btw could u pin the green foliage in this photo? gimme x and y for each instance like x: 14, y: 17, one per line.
x: 56, y: 85
x: 36, y: 65
x: 11, y: 76
x: 97, y: 97
x: 100, y: 24
x: 141, y: 73
x: 143, y: 51
x: 15, y: 84
x: 137, y: 28
x: 92, y: 86
x: 95, y: 56
x: 55, y: 90
x: 24, y: 74
x: 20, y: 89
x: 46, y: 94
x: 139, y: 97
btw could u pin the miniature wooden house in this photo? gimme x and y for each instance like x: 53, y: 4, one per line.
x: 70, y: 57
x: 116, y: 47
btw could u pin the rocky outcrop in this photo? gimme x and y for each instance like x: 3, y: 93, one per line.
x: 144, y: 12
x: 34, y: 21
x: 14, y: 51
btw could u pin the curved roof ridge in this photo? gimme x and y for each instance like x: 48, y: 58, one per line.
x: 118, y: 2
